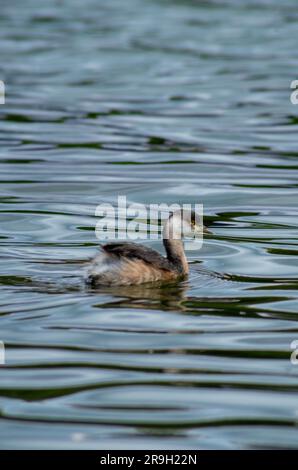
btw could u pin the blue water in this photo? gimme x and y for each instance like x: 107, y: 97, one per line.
x: 161, y: 101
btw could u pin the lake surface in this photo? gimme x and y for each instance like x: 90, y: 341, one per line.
x: 161, y: 101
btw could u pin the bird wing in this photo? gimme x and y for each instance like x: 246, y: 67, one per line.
x: 136, y: 251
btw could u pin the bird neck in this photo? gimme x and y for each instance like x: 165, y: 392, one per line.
x: 174, y: 245
x: 175, y: 254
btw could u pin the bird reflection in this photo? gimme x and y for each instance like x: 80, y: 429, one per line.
x: 165, y: 297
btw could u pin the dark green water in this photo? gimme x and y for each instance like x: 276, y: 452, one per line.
x: 162, y: 101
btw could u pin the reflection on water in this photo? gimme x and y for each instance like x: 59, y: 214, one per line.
x: 161, y: 101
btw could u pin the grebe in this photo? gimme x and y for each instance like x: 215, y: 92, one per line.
x: 120, y: 264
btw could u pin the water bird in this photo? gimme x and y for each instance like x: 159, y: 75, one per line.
x: 124, y: 264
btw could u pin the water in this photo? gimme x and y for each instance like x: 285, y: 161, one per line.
x: 161, y: 101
